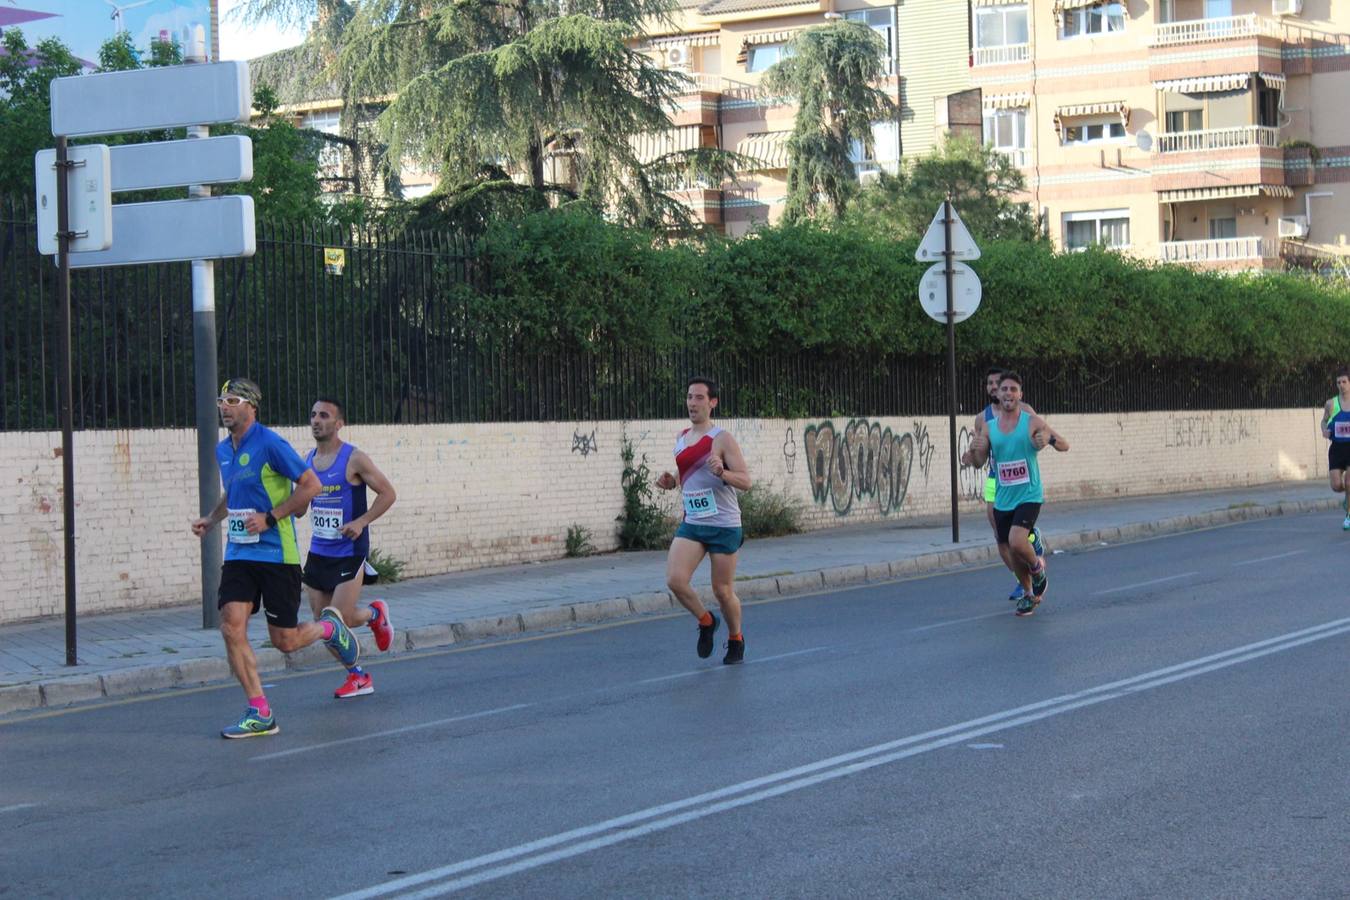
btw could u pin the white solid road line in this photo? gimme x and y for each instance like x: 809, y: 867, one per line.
x: 1252, y: 562
x: 404, y: 730
x: 540, y: 852
x: 18, y: 806
x: 1135, y: 587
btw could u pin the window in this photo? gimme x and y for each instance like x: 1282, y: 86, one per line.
x: 1108, y: 227
x: 1268, y: 108
x: 1000, y: 26
x: 1185, y: 120
x: 1100, y: 18
x: 880, y: 21
x: 1222, y: 229
x: 1006, y: 129
x: 330, y: 154
x: 1090, y: 131
x: 762, y: 56
x: 885, y: 149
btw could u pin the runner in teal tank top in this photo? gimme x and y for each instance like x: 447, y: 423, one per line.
x: 1336, y: 428
x: 1014, y: 440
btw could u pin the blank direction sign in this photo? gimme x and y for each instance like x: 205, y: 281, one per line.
x: 174, y: 230
x: 214, y: 160
x: 150, y: 99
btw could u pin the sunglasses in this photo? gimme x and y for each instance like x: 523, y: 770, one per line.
x: 229, y: 401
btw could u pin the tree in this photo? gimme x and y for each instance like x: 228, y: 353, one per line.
x: 485, y: 87
x: 980, y: 181
x: 25, y: 105
x: 831, y: 72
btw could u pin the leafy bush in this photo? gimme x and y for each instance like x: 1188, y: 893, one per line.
x: 579, y: 541
x: 642, y: 524
x: 769, y: 513
x: 389, y: 567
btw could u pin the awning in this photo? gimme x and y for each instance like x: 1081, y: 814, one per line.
x: 708, y: 39
x: 1205, y: 85
x: 1061, y: 5
x: 769, y: 147
x: 1225, y: 192
x: 1271, y: 80
x: 1006, y: 101
x: 772, y: 37
x: 998, y: 2
x: 1078, y: 111
x: 649, y: 147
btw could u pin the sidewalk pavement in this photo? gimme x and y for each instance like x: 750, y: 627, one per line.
x: 130, y: 653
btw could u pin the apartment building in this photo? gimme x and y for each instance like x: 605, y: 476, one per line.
x: 724, y: 47
x: 1209, y: 132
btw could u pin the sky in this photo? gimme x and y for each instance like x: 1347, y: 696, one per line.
x: 83, y: 25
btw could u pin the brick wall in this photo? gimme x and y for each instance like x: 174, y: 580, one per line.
x: 492, y: 494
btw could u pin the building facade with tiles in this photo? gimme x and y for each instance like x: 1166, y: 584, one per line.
x: 1209, y: 132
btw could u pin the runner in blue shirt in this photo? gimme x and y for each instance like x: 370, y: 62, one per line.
x: 262, y: 559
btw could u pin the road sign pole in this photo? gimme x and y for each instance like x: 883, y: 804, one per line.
x: 66, y: 373
x: 949, y: 257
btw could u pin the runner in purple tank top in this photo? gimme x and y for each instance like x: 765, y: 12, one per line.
x: 712, y: 469
x: 340, y: 518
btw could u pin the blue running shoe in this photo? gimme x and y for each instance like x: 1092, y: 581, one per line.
x: 343, y: 642
x: 1036, y: 543
x: 1345, y: 525
x: 1018, y: 593
x: 251, y: 725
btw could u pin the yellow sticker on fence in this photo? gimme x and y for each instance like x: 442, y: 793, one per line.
x: 334, y: 258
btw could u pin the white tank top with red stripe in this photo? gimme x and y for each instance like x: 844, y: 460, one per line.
x: 708, y: 500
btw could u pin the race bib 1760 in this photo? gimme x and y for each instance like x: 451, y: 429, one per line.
x: 699, y: 504
x: 1014, y: 472
x: 327, y: 522
x: 238, y: 532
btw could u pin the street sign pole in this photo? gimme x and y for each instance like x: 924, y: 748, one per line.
x: 66, y: 373
x: 205, y: 372
x: 949, y: 255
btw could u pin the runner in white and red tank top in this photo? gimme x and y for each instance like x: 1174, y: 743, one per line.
x: 712, y: 469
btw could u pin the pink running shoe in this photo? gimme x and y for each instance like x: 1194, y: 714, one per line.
x: 355, y: 686
x: 383, y: 630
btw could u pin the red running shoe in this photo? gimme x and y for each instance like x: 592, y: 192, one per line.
x: 383, y: 630
x: 355, y: 686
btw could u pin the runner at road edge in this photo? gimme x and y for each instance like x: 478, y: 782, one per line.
x: 982, y: 420
x: 262, y: 558
x: 1013, y: 441
x: 712, y: 469
x: 1336, y: 428
x: 338, y: 561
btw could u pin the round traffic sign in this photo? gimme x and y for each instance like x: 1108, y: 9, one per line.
x: 966, y: 291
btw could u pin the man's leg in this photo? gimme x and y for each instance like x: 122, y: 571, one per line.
x: 683, y: 559
x: 724, y: 589
x: 234, y: 629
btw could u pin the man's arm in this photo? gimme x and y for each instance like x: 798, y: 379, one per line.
x: 307, y: 487
x: 207, y: 522
x: 728, y: 463
x: 1326, y: 419
x: 1042, y: 435
x: 365, y: 468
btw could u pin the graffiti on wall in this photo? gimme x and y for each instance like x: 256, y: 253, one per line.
x: 1208, y: 429
x: 859, y: 464
x: 970, y: 480
x: 790, y: 451
x: 923, y: 448
x: 585, y: 444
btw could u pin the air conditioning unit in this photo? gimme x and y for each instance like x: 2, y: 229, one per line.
x: 1286, y: 7
x: 678, y: 56
x: 1293, y: 226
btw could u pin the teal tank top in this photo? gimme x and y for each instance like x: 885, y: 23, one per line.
x: 1015, y: 466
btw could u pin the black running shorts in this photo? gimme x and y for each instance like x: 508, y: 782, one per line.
x: 277, y: 585
x: 325, y: 573
x: 1024, y: 516
x: 1338, y: 456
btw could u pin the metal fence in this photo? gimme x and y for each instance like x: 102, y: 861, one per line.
x: 391, y: 336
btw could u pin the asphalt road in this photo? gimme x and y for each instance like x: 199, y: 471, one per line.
x: 1171, y: 723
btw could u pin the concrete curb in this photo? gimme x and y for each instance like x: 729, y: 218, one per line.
x: 66, y: 690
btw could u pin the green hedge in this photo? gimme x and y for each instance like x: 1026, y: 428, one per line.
x: 568, y: 278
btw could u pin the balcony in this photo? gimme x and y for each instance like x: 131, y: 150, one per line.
x: 1018, y: 156
x: 1219, y: 139
x: 999, y: 56
x: 1204, y: 31
x: 1222, y: 252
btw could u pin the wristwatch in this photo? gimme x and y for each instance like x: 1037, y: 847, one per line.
x: 271, y: 519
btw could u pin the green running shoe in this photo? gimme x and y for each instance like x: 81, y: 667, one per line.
x: 343, y: 642
x: 251, y: 725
